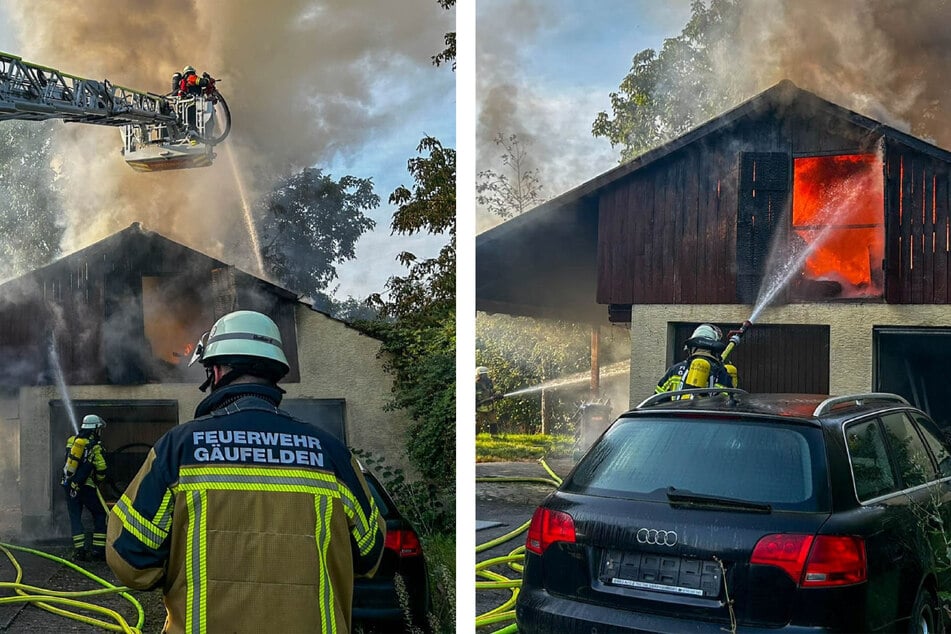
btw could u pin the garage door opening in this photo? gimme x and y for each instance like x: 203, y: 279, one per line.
x: 132, y: 427
x: 912, y: 362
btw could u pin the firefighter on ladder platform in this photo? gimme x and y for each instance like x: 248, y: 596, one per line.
x: 703, y: 366
x: 248, y: 519
x: 85, y: 469
x: 189, y: 84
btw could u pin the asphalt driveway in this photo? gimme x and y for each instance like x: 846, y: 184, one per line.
x: 502, y: 507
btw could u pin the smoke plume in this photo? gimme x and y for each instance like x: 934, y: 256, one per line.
x: 303, y: 79
x: 886, y: 59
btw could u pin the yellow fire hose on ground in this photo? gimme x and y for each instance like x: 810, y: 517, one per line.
x: 45, y: 598
x: 514, y: 560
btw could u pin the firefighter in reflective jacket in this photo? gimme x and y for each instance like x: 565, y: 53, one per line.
x: 84, y: 471
x: 702, y: 367
x: 249, y: 519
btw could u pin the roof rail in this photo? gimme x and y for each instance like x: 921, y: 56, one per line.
x: 827, y: 405
x: 698, y: 391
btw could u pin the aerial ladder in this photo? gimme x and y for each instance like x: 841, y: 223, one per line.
x: 159, y: 132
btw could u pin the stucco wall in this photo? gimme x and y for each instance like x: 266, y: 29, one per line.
x: 850, y: 335
x: 9, y: 464
x: 335, y: 361
x: 338, y: 361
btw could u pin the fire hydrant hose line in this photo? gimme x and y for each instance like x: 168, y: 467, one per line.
x: 44, y: 598
x: 497, y: 581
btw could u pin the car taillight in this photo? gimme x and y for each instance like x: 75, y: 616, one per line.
x: 836, y: 561
x: 548, y: 527
x: 823, y: 560
x: 403, y: 542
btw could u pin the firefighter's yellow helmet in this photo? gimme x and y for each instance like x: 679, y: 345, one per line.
x: 481, y: 370
x: 241, y: 338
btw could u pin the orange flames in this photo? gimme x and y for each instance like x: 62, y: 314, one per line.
x: 838, y: 213
x: 189, y: 347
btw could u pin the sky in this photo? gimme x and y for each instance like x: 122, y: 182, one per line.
x: 545, y: 68
x: 345, y: 86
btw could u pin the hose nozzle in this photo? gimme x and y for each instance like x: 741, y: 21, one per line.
x: 734, y: 338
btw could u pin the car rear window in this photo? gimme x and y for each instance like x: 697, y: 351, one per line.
x: 378, y: 497
x: 767, y: 461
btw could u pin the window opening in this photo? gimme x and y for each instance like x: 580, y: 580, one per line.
x: 838, y: 222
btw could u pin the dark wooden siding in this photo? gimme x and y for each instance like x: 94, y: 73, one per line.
x: 774, y: 358
x: 763, y: 208
x: 668, y: 232
x: 916, y: 228
x: 667, y: 235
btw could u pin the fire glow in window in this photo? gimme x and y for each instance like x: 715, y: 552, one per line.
x: 175, y: 315
x: 838, y: 221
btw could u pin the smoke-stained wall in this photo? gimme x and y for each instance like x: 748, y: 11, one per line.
x: 336, y: 362
x: 9, y: 464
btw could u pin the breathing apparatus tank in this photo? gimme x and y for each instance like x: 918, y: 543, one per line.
x: 74, y: 459
x: 734, y: 374
x: 698, y: 374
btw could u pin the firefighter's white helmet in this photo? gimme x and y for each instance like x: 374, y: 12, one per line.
x: 705, y: 337
x: 707, y: 331
x: 91, y: 421
x: 481, y: 370
x: 188, y: 69
x: 242, y: 337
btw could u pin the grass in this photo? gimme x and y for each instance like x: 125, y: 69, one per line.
x: 441, y: 560
x: 522, y: 447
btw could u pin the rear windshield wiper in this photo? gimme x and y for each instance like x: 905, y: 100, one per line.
x: 683, y: 497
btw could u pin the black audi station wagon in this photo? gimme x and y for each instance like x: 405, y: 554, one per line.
x: 732, y: 511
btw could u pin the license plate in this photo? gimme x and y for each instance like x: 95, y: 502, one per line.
x: 659, y: 573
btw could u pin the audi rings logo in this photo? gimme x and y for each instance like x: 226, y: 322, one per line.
x: 656, y: 537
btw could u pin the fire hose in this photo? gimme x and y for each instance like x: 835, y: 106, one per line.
x: 496, y: 581
x: 44, y: 598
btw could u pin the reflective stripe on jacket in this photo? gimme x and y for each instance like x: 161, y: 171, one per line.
x: 249, y: 519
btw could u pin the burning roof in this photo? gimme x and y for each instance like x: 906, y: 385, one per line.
x: 124, y: 310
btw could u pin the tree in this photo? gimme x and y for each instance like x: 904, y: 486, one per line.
x: 664, y: 95
x: 30, y: 217
x: 351, y: 309
x: 507, y: 196
x: 522, y: 353
x: 309, y: 223
x: 418, y: 329
x: 430, y: 207
x: 448, y: 54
